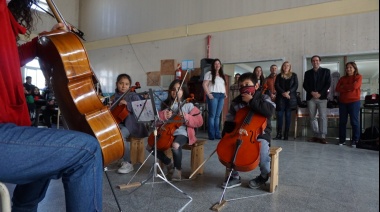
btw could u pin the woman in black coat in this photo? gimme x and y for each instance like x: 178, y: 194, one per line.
x: 286, y: 85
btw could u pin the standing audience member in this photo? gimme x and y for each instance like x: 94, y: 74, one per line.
x: 349, y: 102
x: 214, y: 85
x: 234, y: 88
x: 129, y: 126
x: 270, y: 80
x: 258, y: 72
x: 286, y: 99
x: 30, y: 157
x: 316, y: 84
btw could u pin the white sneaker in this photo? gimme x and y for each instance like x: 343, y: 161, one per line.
x: 125, y: 168
x: 177, y: 175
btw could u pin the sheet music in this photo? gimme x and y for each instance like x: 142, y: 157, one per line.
x: 143, y: 110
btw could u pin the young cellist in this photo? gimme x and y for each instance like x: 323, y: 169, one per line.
x: 176, y: 104
x: 257, y: 103
x: 128, y: 126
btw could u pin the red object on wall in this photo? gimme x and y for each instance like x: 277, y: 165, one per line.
x: 178, y: 72
x: 208, y: 46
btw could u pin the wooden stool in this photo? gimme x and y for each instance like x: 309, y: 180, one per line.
x: 274, y: 154
x: 137, y: 150
x: 197, y: 155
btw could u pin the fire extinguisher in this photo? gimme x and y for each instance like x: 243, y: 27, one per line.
x: 178, y: 72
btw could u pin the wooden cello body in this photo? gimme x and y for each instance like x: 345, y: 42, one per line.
x: 248, y: 127
x: 64, y: 61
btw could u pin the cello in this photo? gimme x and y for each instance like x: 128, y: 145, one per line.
x: 240, y: 149
x: 165, y: 135
x: 64, y: 61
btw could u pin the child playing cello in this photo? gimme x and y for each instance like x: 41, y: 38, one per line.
x: 257, y: 103
x: 128, y: 126
x: 176, y: 104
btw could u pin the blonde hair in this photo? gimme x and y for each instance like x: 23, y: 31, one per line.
x: 288, y: 75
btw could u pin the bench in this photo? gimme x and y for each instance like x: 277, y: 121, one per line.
x: 137, y: 150
x: 197, y: 155
x: 273, y: 181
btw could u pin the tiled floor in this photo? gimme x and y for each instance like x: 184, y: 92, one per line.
x: 313, y: 177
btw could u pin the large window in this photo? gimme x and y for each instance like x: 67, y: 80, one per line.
x: 33, y: 69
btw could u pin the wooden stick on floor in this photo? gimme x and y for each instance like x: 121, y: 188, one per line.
x: 196, y: 170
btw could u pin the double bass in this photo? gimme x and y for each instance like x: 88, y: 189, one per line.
x: 64, y: 61
x: 240, y: 149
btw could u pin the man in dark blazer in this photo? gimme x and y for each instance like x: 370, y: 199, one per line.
x: 316, y: 84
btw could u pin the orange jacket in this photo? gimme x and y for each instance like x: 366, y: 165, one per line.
x: 349, y: 88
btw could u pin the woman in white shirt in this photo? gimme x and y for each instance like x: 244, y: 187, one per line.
x: 214, y: 86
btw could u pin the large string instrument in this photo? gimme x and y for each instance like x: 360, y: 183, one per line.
x: 240, y: 149
x: 64, y: 61
x: 165, y: 133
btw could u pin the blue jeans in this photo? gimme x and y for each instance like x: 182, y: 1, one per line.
x: 280, y: 119
x: 351, y: 109
x: 125, y: 133
x: 264, y: 159
x: 215, y: 107
x: 30, y: 157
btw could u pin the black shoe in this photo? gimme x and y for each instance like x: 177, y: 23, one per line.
x: 234, y: 182
x: 286, y: 136
x: 278, y: 136
x: 257, y: 182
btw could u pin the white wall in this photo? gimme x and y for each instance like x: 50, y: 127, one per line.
x: 241, y: 30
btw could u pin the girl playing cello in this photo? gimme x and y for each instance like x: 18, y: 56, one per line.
x: 128, y: 126
x: 257, y: 103
x: 176, y: 104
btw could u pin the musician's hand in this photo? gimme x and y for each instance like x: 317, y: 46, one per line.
x: 123, y: 102
x: 60, y: 26
x: 246, y: 97
x: 168, y: 114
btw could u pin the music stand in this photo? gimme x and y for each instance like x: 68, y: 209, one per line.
x: 145, y: 111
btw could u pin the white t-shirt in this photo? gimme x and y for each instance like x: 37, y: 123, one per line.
x: 218, y: 87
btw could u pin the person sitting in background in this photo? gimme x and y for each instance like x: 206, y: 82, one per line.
x: 286, y: 99
x: 129, y: 126
x: 349, y: 102
x: 48, y: 112
x: 176, y: 104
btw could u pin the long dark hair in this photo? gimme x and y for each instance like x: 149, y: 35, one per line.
x: 22, y: 12
x: 213, y: 71
x: 170, y: 100
x: 262, y: 78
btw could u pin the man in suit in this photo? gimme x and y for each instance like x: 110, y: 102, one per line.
x: 316, y: 84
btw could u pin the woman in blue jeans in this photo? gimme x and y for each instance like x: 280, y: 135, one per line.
x: 30, y: 157
x: 214, y: 85
x: 348, y: 87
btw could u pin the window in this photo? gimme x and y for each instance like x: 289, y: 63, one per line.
x: 33, y: 69
x: 42, y: 6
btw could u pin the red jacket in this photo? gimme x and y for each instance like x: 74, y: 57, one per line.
x: 13, y: 108
x: 349, y: 88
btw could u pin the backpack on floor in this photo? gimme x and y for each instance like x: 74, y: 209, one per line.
x: 369, y: 139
